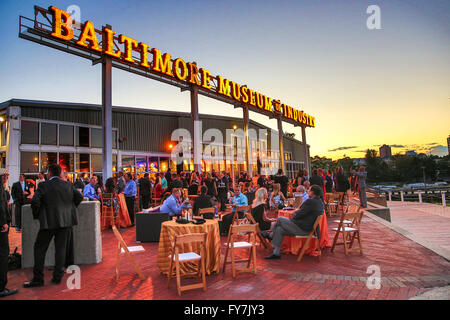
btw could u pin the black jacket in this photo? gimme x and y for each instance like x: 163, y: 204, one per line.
x: 201, y: 202
x: 305, y: 217
x: 54, y: 204
x: 5, y: 217
x: 17, y: 192
x: 144, y: 187
x: 316, y: 180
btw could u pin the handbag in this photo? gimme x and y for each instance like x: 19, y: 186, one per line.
x: 14, y: 260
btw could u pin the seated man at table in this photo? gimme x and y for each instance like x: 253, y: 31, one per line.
x: 300, y: 224
x: 301, y: 192
x: 172, y: 204
x: 203, y: 201
x: 239, y: 199
x: 89, y: 190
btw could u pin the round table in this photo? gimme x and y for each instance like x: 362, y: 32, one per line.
x: 293, y: 245
x: 168, y: 231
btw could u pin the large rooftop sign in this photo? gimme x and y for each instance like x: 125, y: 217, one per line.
x: 57, y: 29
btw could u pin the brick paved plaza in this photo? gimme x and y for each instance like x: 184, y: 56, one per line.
x: 407, y: 269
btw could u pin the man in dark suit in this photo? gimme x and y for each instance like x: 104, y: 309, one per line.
x: 300, y: 224
x: 19, y: 192
x: 203, y: 201
x: 54, y: 204
x: 316, y: 179
x: 5, y: 220
x: 144, y: 191
x: 282, y: 180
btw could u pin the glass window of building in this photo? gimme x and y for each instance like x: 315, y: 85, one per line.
x: 128, y: 164
x: 29, y: 162
x: 82, y: 162
x: 164, y: 163
x: 29, y: 132
x: 82, y: 137
x: 114, y: 164
x: 153, y: 164
x: 47, y: 159
x: 141, y: 164
x: 114, y: 139
x: 49, y: 133
x: 3, y: 160
x: 66, y: 161
x: 4, y: 132
x: 96, y: 138
x: 96, y: 162
x: 65, y: 135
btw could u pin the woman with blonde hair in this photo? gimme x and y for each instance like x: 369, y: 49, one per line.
x: 277, y: 198
x: 258, y: 208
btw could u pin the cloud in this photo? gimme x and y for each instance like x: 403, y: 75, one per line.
x: 439, y: 150
x: 341, y: 148
x: 397, y: 146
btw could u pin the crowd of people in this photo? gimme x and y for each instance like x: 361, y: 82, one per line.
x: 165, y: 191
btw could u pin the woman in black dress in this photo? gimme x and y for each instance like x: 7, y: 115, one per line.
x: 258, y: 209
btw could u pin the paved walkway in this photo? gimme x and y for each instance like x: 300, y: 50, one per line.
x: 429, y: 222
x: 407, y: 270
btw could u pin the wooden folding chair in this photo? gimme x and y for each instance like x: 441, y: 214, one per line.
x: 155, y: 201
x: 123, y: 246
x: 235, y: 230
x: 312, y: 235
x: 350, y: 208
x: 248, y: 219
x: 178, y: 258
x: 107, y: 214
x: 203, y: 211
x: 349, y: 227
x: 333, y: 204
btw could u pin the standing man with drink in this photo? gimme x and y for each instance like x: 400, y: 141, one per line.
x: 54, y: 205
x: 130, y: 195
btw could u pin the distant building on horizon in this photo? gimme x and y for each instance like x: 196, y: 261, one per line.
x: 385, y: 151
x: 359, y: 161
x: 411, y: 153
x: 448, y: 144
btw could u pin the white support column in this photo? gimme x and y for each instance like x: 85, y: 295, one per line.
x: 444, y: 204
x: 12, y: 143
x: 390, y: 196
x: 107, y: 118
x: 196, y: 129
x: 280, y: 137
x: 305, y: 146
x: 420, y: 196
x: 401, y: 195
x: 247, y: 141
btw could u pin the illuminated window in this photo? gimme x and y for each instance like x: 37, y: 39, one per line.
x: 96, y: 162
x: 47, y: 159
x: 82, y: 162
x: 66, y: 161
x: 29, y: 162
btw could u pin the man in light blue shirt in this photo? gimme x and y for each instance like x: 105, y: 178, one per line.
x: 130, y: 193
x: 172, y: 204
x: 239, y: 199
x: 301, y: 192
x: 89, y: 190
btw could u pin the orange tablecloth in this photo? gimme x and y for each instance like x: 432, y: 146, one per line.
x: 293, y: 245
x: 168, y: 231
x: 122, y: 215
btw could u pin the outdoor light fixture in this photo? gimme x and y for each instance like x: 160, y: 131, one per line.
x: 2, y: 119
x: 234, y: 127
x: 170, y: 146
